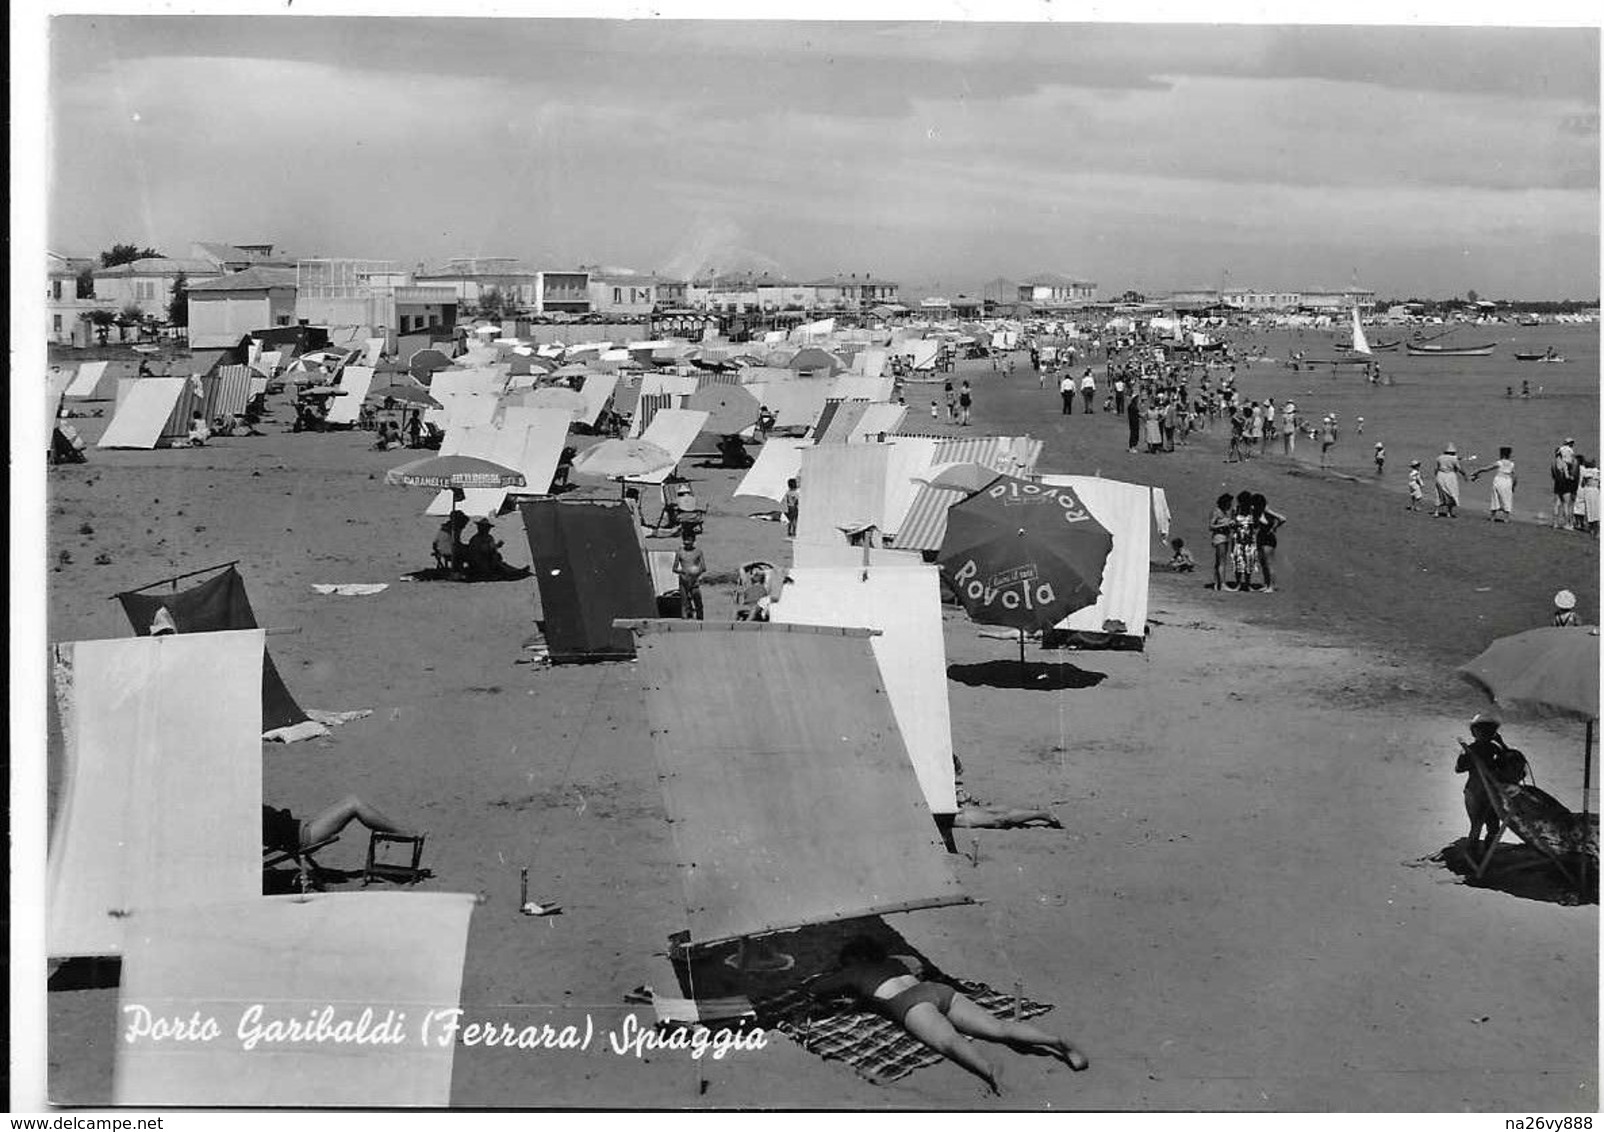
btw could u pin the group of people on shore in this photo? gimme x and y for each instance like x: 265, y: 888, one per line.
x: 1575, y: 481
x: 1242, y: 532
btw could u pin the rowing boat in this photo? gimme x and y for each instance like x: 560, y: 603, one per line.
x: 1450, y: 351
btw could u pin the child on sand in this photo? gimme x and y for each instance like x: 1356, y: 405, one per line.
x: 1380, y: 458
x: 1417, y: 485
x: 1181, y: 561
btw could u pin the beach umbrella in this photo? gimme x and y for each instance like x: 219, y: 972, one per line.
x: 620, y: 459
x: 453, y: 472
x: 426, y: 361
x: 1023, y: 554
x: 730, y: 408
x: 404, y: 395
x: 1548, y: 671
x: 964, y: 477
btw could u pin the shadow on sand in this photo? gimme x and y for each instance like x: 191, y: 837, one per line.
x: 1032, y: 675
x: 1519, y: 870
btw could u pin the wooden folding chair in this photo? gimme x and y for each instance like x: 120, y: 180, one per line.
x: 379, y: 869
x: 305, y: 866
x: 1537, y: 830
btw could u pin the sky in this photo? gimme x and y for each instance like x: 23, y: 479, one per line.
x: 1411, y: 160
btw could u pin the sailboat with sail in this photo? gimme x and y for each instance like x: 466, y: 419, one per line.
x: 1360, y: 346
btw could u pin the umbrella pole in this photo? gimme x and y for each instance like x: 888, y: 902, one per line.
x: 1587, y: 789
x: 1021, y: 652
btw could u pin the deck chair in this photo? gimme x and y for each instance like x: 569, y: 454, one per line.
x: 305, y: 866
x: 1540, y: 820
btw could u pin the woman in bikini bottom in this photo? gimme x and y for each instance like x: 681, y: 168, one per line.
x: 935, y: 1013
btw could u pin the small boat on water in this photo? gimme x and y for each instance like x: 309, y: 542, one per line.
x: 1547, y: 355
x: 1392, y: 345
x: 1421, y: 351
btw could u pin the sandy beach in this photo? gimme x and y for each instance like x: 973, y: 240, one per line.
x: 1239, y: 914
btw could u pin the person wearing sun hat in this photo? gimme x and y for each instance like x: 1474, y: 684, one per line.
x: 1565, y: 610
x: 1502, y: 762
x: 1380, y: 457
x: 1417, y: 485
x: 1566, y: 473
x: 1449, y: 470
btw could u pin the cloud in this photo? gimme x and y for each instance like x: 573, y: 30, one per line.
x: 807, y: 149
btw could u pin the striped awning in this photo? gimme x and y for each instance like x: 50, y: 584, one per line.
x: 227, y: 391
x: 1013, y: 455
x: 925, y: 525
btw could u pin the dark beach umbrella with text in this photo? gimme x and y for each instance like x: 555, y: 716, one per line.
x: 1023, y: 554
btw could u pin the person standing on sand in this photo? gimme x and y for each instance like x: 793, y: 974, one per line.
x: 1380, y: 458
x: 1088, y: 389
x: 1066, y: 394
x: 1328, y: 438
x: 1566, y: 474
x: 1417, y: 486
x: 1220, y: 538
x: 1133, y: 420
x: 1503, y: 498
x: 1266, y: 523
x: 1565, y: 610
x: 1446, y: 480
x: 792, y: 503
x: 1289, y: 429
x: 690, y: 564
x: 1587, y: 495
x: 966, y: 401
x: 1244, y: 543
x: 1152, y: 429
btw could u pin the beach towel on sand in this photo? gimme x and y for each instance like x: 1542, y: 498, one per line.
x: 877, y: 1048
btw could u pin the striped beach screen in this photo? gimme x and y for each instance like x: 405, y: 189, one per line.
x: 227, y: 391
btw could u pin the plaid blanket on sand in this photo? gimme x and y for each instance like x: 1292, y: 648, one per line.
x: 877, y: 1048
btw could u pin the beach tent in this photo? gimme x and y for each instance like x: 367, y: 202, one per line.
x: 880, y: 417
x: 672, y: 430
x: 141, y: 420
x: 590, y: 570
x: 250, y: 962
x: 813, y: 331
x: 904, y: 604
x: 55, y: 388
x: 910, y: 456
x: 356, y: 381
x: 161, y: 783
x: 527, y: 440
x: 228, y: 391
x: 870, y: 362
x: 217, y: 604
x: 597, y: 390
x: 677, y: 384
x: 921, y: 352
x: 795, y: 402
x: 851, y: 387
x: 786, y: 779
x: 779, y: 460
x: 810, y: 361
x: 1127, y: 511
x: 462, y: 410
x: 838, y: 420
x: 94, y: 381
x: 843, y: 491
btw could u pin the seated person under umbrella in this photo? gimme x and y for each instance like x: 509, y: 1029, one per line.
x: 484, y: 556
x: 684, y: 510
